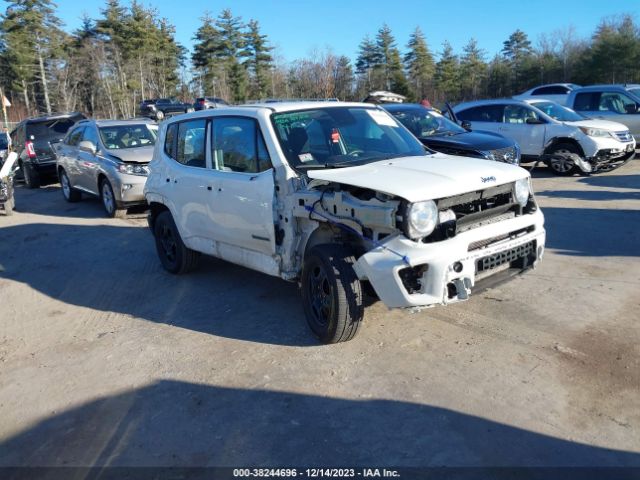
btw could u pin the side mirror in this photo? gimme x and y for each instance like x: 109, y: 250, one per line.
x: 534, y: 121
x: 88, y: 146
x: 466, y: 124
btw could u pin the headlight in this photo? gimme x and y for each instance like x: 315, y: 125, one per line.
x: 522, y: 191
x: 422, y: 218
x: 595, y: 132
x: 130, y: 169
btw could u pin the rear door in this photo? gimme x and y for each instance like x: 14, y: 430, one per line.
x: 193, y: 186
x: 484, y: 117
x: 67, y: 153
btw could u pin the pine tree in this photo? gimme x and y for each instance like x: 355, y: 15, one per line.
x: 206, y: 40
x: 230, y: 50
x: 447, y: 76
x: 343, y: 78
x: 473, y: 70
x: 32, y: 35
x: 517, y: 51
x: 419, y: 64
x: 259, y: 60
x: 388, y: 63
x: 368, y: 58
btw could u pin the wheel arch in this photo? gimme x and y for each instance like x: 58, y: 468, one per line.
x: 559, y: 140
x: 155, y: 209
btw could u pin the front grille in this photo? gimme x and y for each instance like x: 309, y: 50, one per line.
x: 507, y: 155
x: 519, y: 256
x: 473, y: 210
x: 624, y: 136
x: 479, y: 244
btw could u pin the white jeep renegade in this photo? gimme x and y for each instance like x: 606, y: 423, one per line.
x: 341, y: 198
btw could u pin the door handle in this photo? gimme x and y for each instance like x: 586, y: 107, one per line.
x: 209, y: 187
x: 168, y: 180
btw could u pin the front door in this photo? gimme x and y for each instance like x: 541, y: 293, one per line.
x: 522, y: 124
x: 242, y: 212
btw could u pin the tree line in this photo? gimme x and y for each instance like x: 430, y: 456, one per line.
x: 109, y: 64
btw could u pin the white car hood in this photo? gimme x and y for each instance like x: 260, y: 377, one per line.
x: 601, y: 124
x: 424, y: 178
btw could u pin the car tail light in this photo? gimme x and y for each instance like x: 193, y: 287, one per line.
x: 201, y: 102
x: 31, y: 152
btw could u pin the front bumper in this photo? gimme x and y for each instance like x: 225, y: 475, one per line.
x: 452, y: 266
x: 129, y: 190
x: 606, y: 148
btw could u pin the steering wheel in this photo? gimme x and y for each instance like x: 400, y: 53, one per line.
x: 355, y: 153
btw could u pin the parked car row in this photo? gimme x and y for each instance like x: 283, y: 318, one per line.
x: 159, y: 108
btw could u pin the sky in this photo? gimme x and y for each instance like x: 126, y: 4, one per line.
x: 296, y: 27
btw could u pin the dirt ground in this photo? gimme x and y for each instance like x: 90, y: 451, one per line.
x: 105, y: 359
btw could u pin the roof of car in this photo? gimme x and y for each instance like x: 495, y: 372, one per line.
x: 115, y: 123
x: 289, y: 106
x: 493, y: 101
x: 404, y: 106
x: 52, y: 116
x: 614, y: 86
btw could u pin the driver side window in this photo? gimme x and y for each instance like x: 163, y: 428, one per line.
x: 237, y: 146
x: 616, y: 103
x: 518, y: 114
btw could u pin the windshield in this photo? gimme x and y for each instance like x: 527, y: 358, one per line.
x: 635, y: 91
x: 342, y: 136
x: 425, y: 123
x: 558, y: 112
x: 128, y: 136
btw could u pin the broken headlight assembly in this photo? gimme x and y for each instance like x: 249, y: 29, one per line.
x: 420, y: 219
x: 522, y: 190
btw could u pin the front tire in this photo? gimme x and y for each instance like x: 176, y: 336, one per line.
x: 109, y: 201
x: 332, y: 293
x: 159, y: 116
x: 175, y: 257
x: 69, y: 193
x: 561, y: 164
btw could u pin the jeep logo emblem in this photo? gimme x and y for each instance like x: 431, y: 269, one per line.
x: 488, y: 179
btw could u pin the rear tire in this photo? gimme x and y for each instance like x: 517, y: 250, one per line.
x: 563, y: 166
x: 30, y: 176
x: 175, y: 257
x: 69, y: 193
x: 109, y: 201
x: 332, y: 293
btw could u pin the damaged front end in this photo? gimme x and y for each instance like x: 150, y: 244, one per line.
x: 477, y: 239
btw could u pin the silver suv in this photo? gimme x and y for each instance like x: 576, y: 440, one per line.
x: 618, y: 103
x: 107, y: 158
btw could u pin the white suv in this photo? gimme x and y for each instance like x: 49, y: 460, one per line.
x: 566, y: 141
x: 341, y: 198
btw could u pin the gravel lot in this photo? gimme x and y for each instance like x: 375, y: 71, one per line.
x: 107, y: 360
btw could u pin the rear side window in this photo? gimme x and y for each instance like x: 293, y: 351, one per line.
x: 238, y: 146
x: 170, y: 140
x: 555, y: 90
x: 74, y: 137
x: 518, y: 114
x: 586, y: 102
x: 487, y: 113
x: 190, y: 143
x: 50, y: 129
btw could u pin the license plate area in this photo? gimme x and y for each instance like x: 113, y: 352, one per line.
x: 519, y: 257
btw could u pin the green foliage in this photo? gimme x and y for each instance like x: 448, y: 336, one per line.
x: 419, y: 65
x: 448, y: 74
